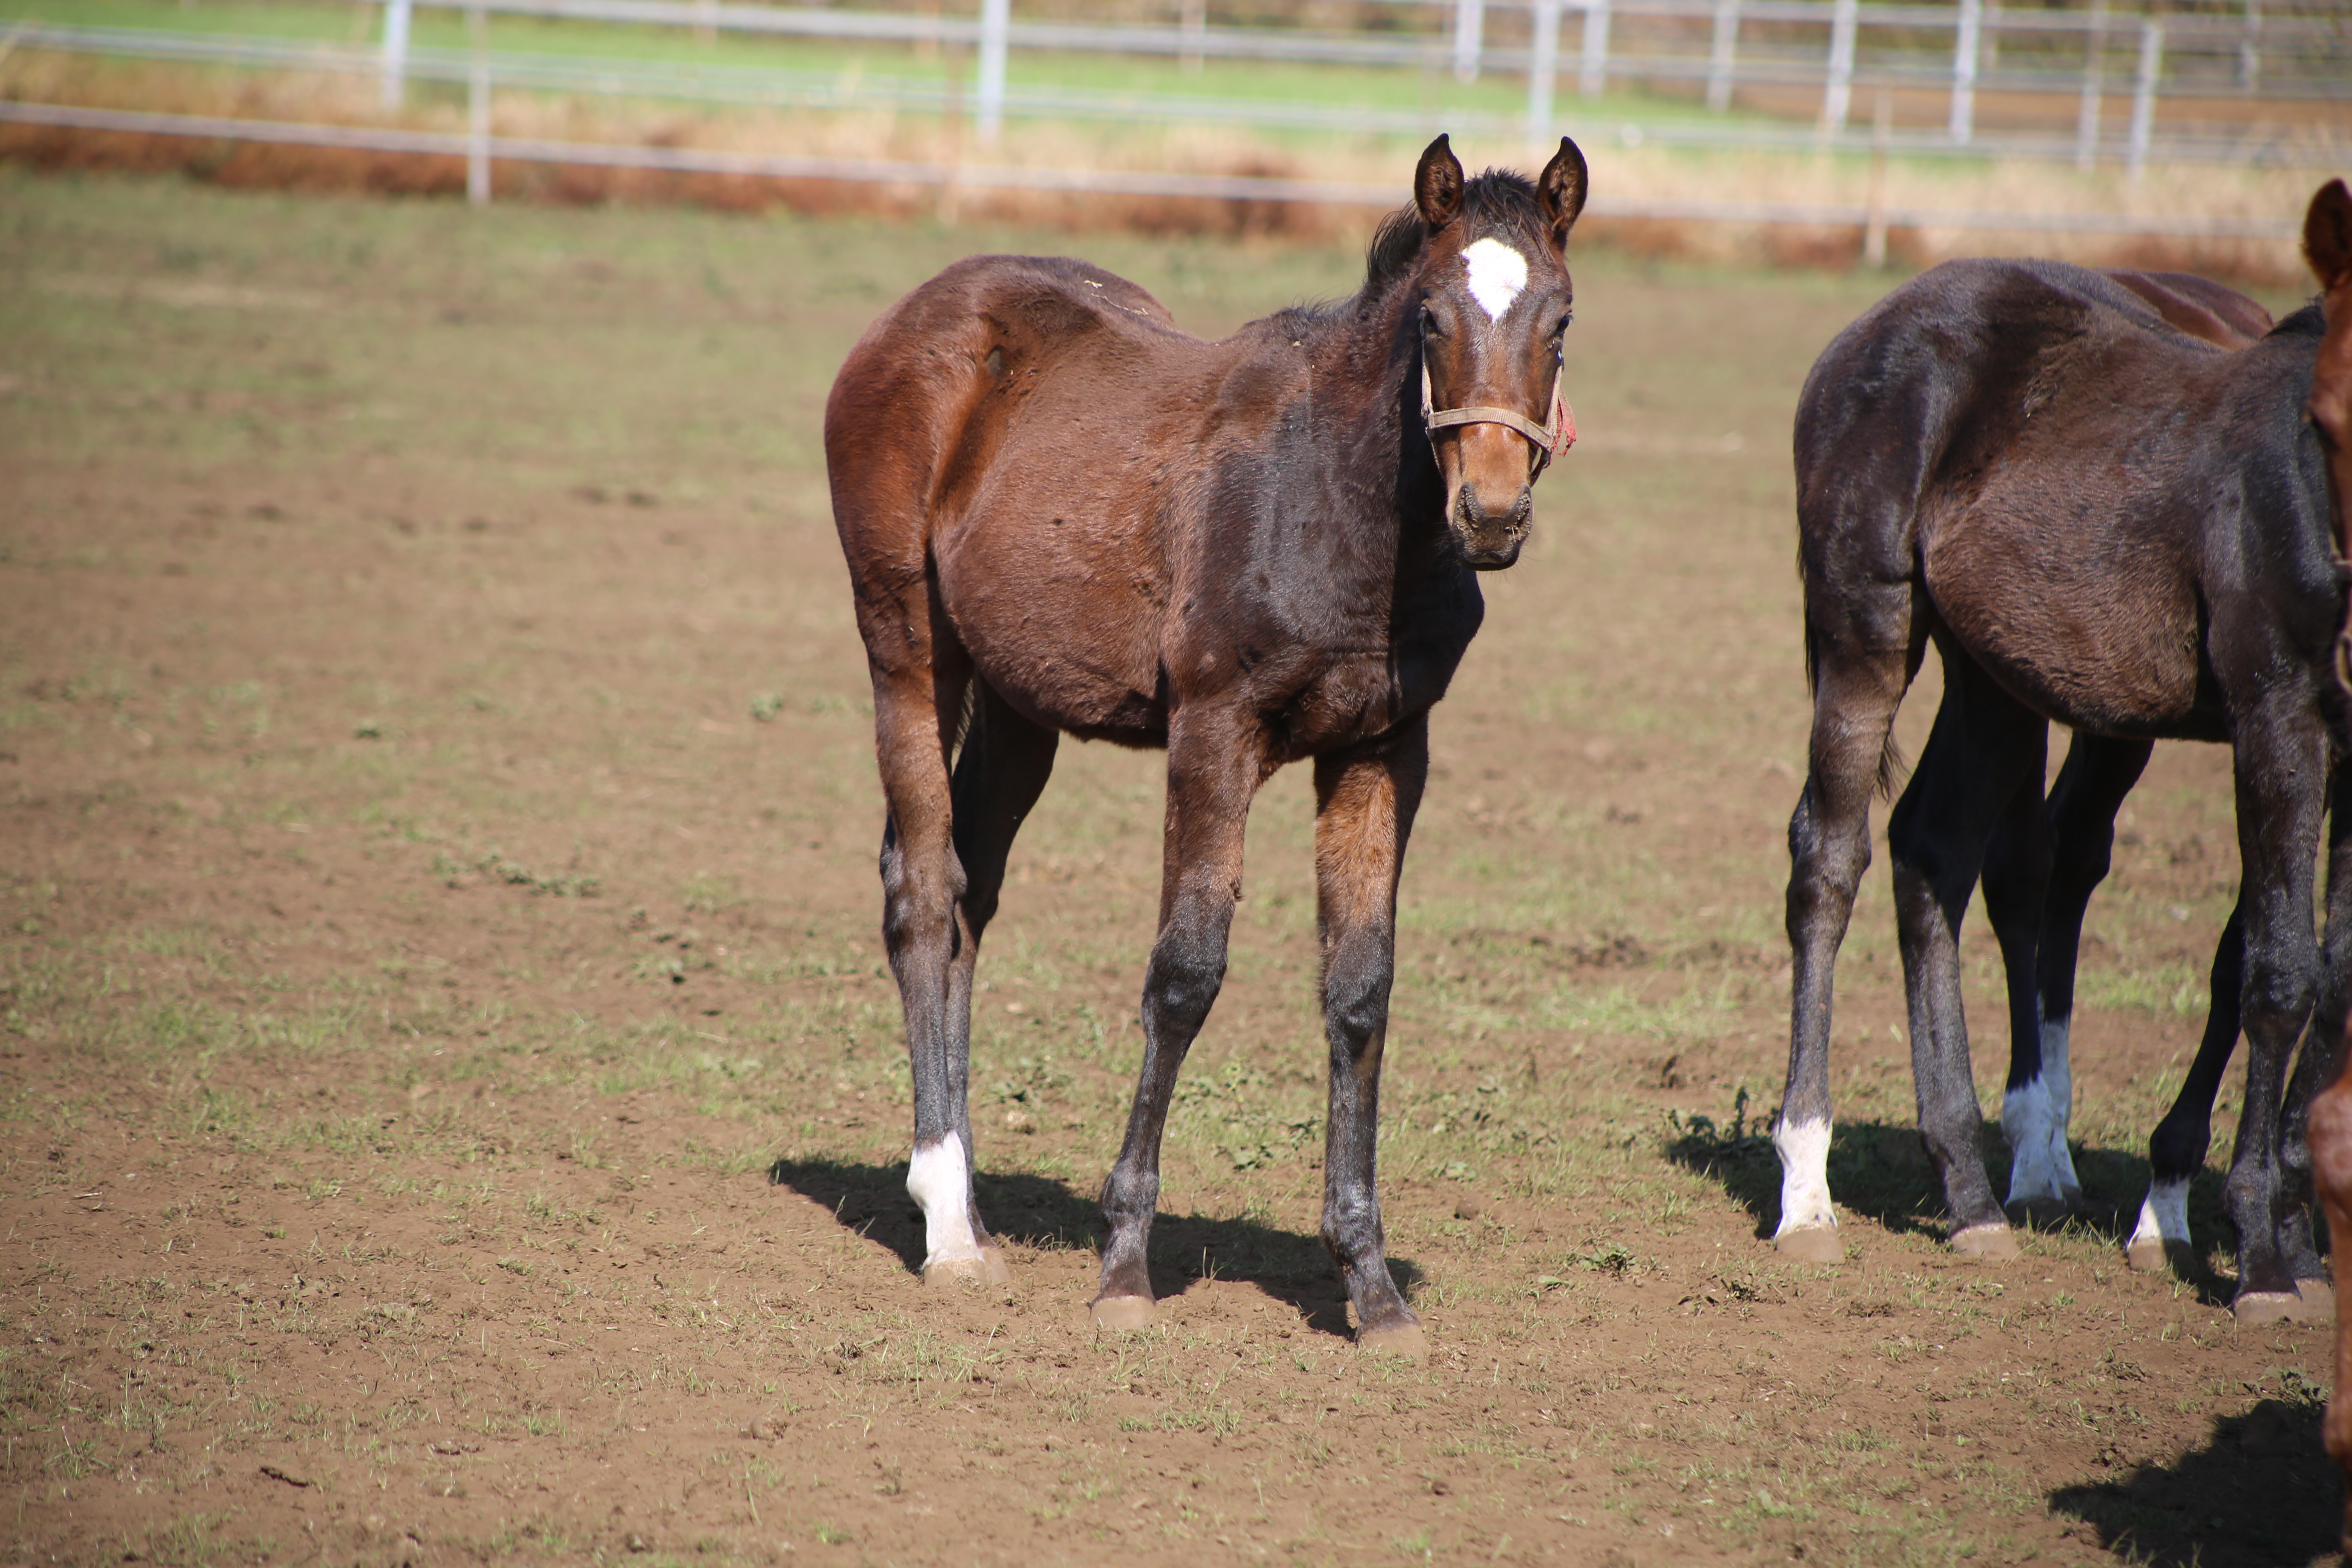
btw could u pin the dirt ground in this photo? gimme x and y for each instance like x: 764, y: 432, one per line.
x: 453, y: 1108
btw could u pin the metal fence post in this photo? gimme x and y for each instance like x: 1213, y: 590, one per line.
x: 2250, y: 48
x: 1964, y: 70
x: 1722, y: 54
x: 2151, y: 68
x: 2086, y: 121
x: 478, y: 110
x: 1469, y: 37
x: 1837, y: 94
x: 1592, y: 73
x: 1541, y: 72
x: 995, y: 24
x: 395, y: 52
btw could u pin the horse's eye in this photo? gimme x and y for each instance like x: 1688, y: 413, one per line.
x: 1429, y: 328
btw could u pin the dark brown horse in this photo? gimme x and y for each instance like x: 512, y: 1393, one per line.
x: 2039, y: 874
x: 2328, y: 244
x: 2100, y: 520
x: 1062, y: 514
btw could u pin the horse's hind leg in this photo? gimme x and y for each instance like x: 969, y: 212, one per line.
x: 920, y: 677
x: 1001, y: 770
x: 2097, y: 776
x: 2176, y: 1149
x: 1365, y: 801
x: 2016, y: 884
x: 1985, y: 748
x: 1864, y: 665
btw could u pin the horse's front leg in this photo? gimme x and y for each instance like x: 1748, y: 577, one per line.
x: 1215, y: 764
x: 1365, y: 799
x: 2282, y: 770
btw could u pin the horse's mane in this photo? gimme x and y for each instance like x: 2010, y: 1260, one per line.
x: 1497, y: 199
x: 2307, y: 323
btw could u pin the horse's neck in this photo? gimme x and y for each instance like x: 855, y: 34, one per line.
x: 1388, y: 498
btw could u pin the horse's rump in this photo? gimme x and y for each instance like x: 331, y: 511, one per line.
x: 1019, y: 399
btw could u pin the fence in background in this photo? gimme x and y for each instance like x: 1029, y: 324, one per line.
x: 1977, y: 48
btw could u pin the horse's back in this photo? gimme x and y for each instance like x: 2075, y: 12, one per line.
x: 2005, y: 435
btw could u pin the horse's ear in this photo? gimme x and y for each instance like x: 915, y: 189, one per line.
x: 2328, y: 235
x: 1437, y: 184
x: 1560, y: 192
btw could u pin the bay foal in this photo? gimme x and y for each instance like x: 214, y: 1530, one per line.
x: 2098, y: 519
x: 1062, y: 514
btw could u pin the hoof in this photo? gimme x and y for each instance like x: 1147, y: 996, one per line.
x: 1986, y: 1243
x: 2152, y: 1255
x: 2256, y: 1308
x: 2042, y: 1213
x: 2318, y: 1294
x: 987, y: 1268
x: 1122, y: 1312
x: 1403, y: 1338
x: 1811, y: 1243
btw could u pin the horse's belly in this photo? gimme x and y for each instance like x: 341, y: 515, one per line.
x: 2099, y: 633
x: 1065, y: 631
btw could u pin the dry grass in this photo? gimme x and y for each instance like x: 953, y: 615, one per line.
x: 1622, y: 165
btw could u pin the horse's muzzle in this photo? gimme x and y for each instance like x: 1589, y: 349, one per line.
x: 1489, y: 541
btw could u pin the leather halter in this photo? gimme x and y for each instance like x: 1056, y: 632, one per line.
x: 1557, y: 436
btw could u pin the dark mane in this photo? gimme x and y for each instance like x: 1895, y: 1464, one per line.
x: 2307, y: 323
x: 1498, y: 199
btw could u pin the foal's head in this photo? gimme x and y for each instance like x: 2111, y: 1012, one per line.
x: 1493, y: 294
x: 2327, y: 244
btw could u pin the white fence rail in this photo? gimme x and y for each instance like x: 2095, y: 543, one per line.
x: 2281, y: 57
x: 481, y: 149
x: 2091, y: 140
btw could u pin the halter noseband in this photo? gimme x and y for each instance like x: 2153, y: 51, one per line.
x: 1548, y: 442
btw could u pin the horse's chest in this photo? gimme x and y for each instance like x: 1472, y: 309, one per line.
x: 1309, y: 705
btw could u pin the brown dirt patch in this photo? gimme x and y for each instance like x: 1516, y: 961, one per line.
x: 453, y: 1107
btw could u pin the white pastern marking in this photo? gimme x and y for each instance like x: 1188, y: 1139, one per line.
x: 1804, y: 1148
x: 2163, y: 1214
x: 2057, y: 1076
x: 939, y: 1178
x: 2025, y: 1121
x: 2058, y: 1083
x: 1497, y: 275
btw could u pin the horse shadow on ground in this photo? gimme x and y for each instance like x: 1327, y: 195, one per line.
x: 2260, y: 1491
x: 1051, y: 1215
x: 1879, y: 1170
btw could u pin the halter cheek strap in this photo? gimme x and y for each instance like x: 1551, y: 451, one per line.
x: 1550, y: 442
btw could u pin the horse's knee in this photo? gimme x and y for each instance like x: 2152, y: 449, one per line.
x: 2277, y: 994
x: 1356, y: 994
x: 1186, y: 972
